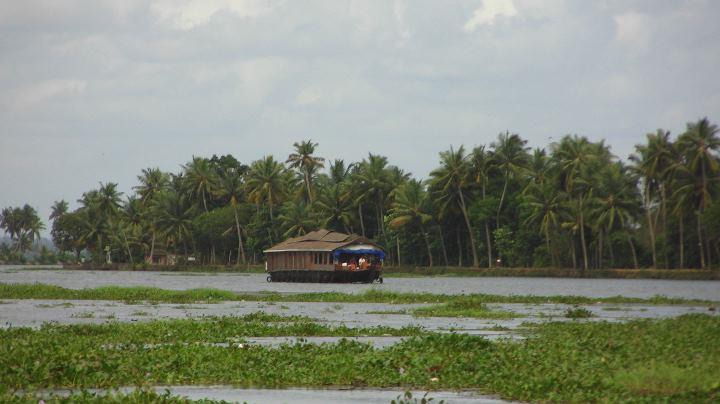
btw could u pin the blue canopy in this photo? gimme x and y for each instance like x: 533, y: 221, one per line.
x: 379, y: 253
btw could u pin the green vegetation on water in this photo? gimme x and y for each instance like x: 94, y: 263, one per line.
x: 135, y: 294
x: 578, y: 312
x: 86, y: 397
x: 464, y: 308
x: 667, y: 360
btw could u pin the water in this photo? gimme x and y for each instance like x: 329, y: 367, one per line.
x: 255, y: 283
x: 300, y: 396
x: 33, y: 313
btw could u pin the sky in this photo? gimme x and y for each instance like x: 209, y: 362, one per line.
x: 95, y: 91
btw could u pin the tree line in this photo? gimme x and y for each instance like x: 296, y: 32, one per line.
x: 571, y: 204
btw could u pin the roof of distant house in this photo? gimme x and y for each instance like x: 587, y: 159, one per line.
x: 320, y: 240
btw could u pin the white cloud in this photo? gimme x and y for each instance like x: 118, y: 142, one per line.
x: 43, y: 91
x: 488, y: 12
x: 633, y: 29
x: 308, y: 96
x: 399, y: 9
x: 186, y: 15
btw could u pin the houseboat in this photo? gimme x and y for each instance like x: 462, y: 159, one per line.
x: 325, y: 256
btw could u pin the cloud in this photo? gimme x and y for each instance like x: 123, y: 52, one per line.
x: 488, y: 12
x: 38, y: 93
x: 188, y: 14
x: 633, y: 29
x: 96, y: 91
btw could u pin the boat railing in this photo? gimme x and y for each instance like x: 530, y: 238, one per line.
x: 341, y: 267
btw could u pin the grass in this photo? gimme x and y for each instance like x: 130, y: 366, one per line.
x: 671, y: 360
x: 668, y: 379
x: 578, y: 312
x: 467, y: 307
x: 151, y: 294
x: 86, y: 397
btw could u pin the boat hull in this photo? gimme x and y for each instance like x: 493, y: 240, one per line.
x: 309, y: 276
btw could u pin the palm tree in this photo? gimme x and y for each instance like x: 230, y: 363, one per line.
x: 108, y: 200
x: 411, y: 207
x: 304, y: 161
x: 614, y: 204
x: 266, y: 183
x: 653, y: 162
x: 574, y: 156
x: 698, y: 144
x: 450, y: 182
x: 375, y: 185
x: 339, y: 173
x: 483, y: 163
x: 10, y: 222
x: 510, y: 156
x: 200, y: 179
x: 59, y: 208
x: 546, y: 205
x: 23, y: 225
x: 174, y: 217
x: 335, y: 207
x: 682, y: 183
x: 297, y: 218
x: 231, y: 187
x: 152, y: 182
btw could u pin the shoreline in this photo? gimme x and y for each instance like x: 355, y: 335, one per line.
x: 415, y: 272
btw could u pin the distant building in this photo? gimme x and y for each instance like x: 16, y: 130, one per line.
x: 325, y: 256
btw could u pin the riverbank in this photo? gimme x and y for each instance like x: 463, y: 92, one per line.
x: 410, y: 271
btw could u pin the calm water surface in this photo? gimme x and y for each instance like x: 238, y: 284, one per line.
x: 254, y: 283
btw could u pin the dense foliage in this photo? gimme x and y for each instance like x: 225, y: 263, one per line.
x: 573, y: 204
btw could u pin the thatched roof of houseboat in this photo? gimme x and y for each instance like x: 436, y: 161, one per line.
x: 320, y: 240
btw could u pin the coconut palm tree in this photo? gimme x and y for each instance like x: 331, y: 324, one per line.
x: 174, y: 218
x: 546, y: 205
x: 339, y: 172
x: 10, y: 222
x: 483, y: 163
x: 200, y: 180
x: 510, y: 156
x: 267, y: 183
x: 574, y: 156
x: 375, y: 185
x: 335, y: 208
x: 304, y: 161
x: 108, y: 200
x: 152, y: 182
x: 614, y: 204
x: 450, y: 183
x: 297, y: 219
x: 231, y: 188
x: 699, y: 144
x: 59, y: 208
x: 23, y: 225
x: 652, y: 162
x: 411, y: 207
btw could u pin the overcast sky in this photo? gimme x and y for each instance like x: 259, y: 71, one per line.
x: 97, y: 90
